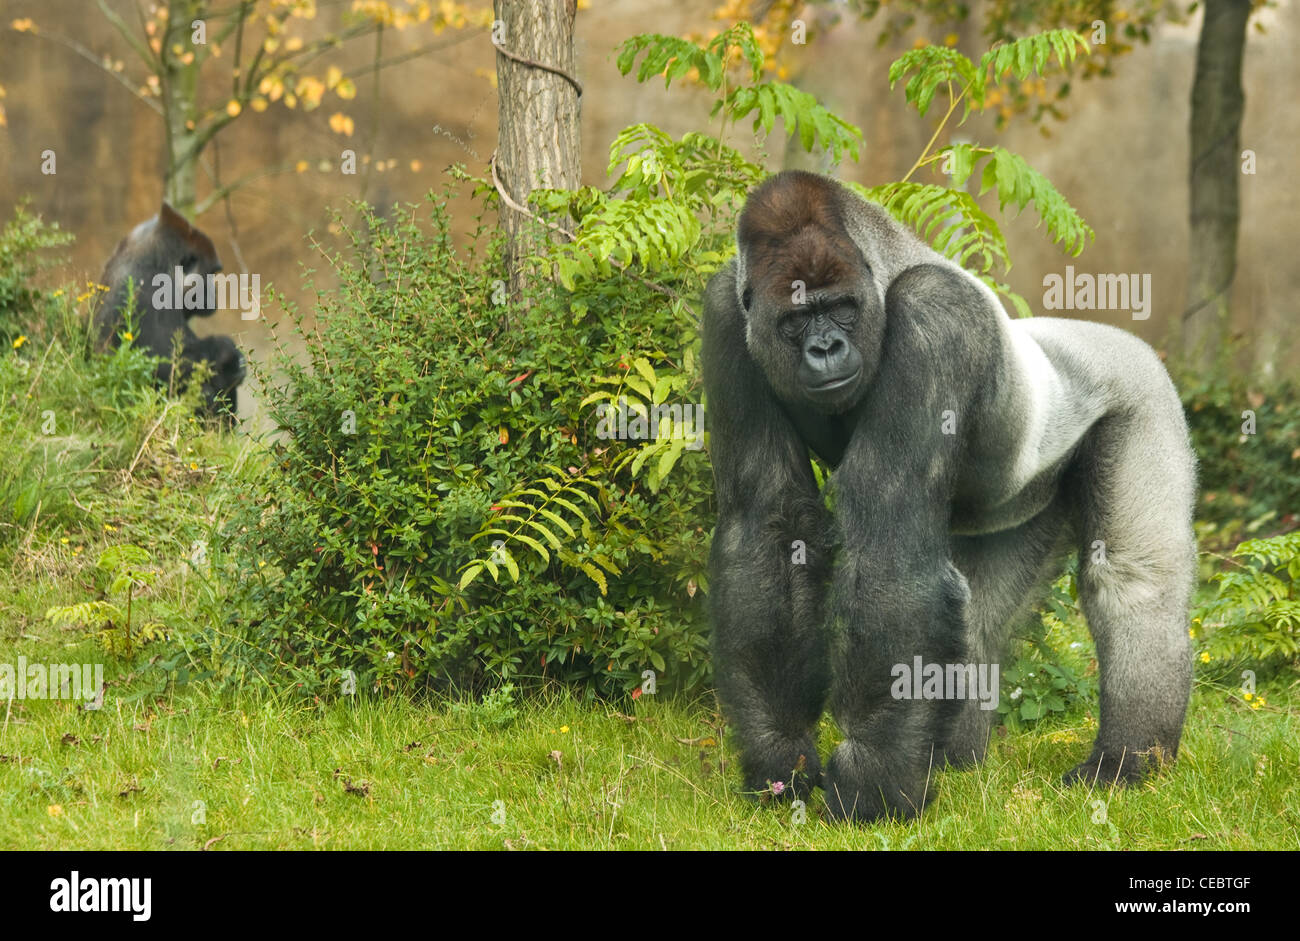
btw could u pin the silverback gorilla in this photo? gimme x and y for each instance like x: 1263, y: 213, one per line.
x: 968, y: 451
x: 160, y: 246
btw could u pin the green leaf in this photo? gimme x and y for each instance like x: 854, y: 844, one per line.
x: 642, y: 365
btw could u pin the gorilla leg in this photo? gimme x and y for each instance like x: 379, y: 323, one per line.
x: 1003, y: 571
x: 1137, y: 564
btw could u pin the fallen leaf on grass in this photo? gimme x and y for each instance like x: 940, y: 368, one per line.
x: 361, y: 788
x: 707, y: 740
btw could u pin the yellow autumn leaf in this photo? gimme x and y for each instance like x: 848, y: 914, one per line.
x: 415, y: 166
x: 340, y: 123
x: 333, y: 75
x: 301, y: 166
x: 233, y: 108
x: 347, y: 89
x: 259, y: 104
x: 23, y: 26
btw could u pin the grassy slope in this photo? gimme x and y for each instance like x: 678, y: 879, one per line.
x: 361, y: 773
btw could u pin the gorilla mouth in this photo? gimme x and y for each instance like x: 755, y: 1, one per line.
x: 839, y: 382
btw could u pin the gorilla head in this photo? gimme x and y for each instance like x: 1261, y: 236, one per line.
x: 814, y: 313
x: 227, y: 371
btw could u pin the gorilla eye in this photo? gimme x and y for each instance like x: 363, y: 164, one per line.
x: 793, y: 325
x: 188, y: 262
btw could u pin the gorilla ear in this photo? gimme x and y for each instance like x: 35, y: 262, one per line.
x: 171, y: 219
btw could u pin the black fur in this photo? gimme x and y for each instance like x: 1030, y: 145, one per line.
x: 836, y: 331
x: 159, y: 246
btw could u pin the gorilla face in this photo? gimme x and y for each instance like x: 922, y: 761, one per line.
x: 228, y: 370
x: 820, y: 352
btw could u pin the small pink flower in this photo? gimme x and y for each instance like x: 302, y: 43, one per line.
x: 777, y: 787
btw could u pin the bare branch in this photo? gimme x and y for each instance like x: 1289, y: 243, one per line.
x: 98, y: 60
x: 141, y: 49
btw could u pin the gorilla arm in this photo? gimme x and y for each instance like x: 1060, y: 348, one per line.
x: 896, y: 594
x: 768, y: 640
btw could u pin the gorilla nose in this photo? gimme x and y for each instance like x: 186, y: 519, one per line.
x: 826, y: 354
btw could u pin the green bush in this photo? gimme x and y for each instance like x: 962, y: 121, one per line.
x: 430, y: 415
x: 1244, y: 476
x: 1049, y: 673
x: 1256, y: 615
x: 24, y: 238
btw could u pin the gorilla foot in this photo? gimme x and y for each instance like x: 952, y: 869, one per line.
x: 962, y: 757
x: 1119, y: 766
x: 862, y: 788
x: 784, y: 769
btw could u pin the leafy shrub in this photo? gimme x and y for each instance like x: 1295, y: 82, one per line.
x: 22, y: 240
x: 431, y: 417
x: 496, y: 710
x: 1244, y: 476
x: 1045, y: 675
x: 121, y: 570
x: 1256, y: 616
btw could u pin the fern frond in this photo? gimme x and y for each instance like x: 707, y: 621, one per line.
x: 935, y: 66
x: 670, y: 57
x: 949, y: 219
x: 799, y: 111
x: 1031, y: 54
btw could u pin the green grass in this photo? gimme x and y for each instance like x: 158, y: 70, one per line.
x: 271, y: 770
x: 394, y: 774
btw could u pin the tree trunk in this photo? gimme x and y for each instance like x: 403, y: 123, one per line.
x: 1217, y: 106
x: 180, y: 93
x: 537, y: 118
